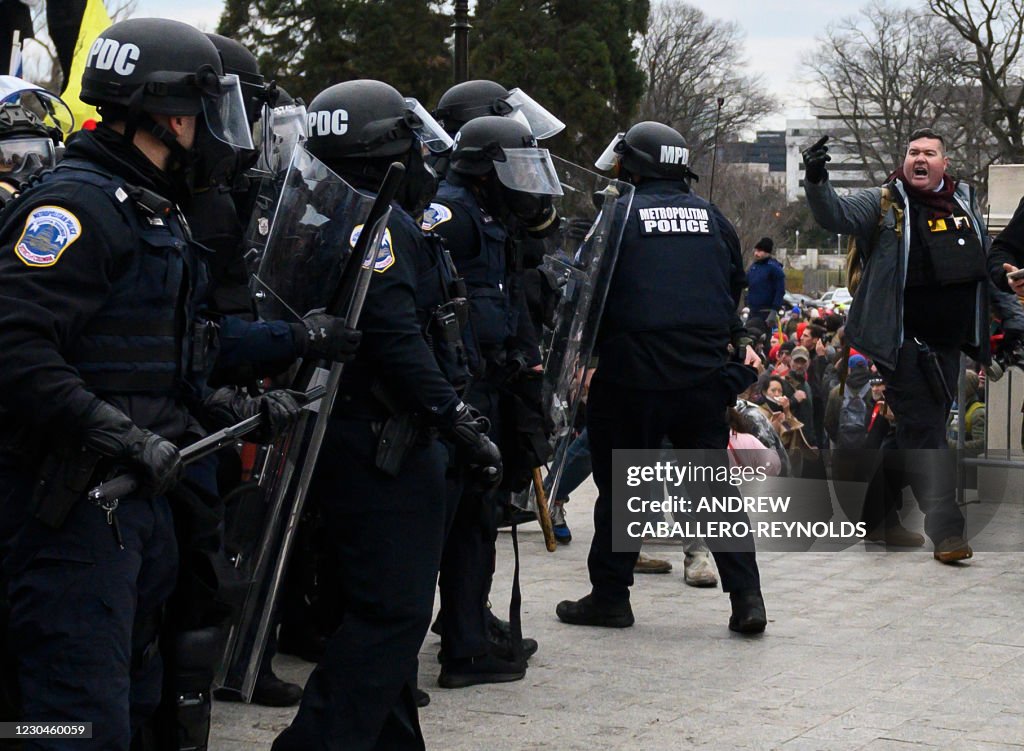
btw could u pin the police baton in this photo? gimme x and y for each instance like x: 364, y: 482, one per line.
x: 543, y: 514
x: 364, y: 254
x: 123, y: 485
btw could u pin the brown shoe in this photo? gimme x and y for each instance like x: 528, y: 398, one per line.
x: 896, y: 536
x: 953, y: 549
x: 646, y: 565
x: 901, y: 537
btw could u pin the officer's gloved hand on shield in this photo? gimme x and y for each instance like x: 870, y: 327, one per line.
x: 110, y: 432
x: 469, y: 432
x: 327, y: 337
x: 228, y: 406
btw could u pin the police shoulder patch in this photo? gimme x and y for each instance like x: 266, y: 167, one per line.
x: 385, y: 256
x: 435, y: 214
x: 49, y: 231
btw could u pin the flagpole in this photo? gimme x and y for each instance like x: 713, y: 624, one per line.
x: 15, y: 63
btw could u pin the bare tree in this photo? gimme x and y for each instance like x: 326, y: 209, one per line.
x: 888, y: 71
x: 690, y: 60
x: 755, y: 206
x: 994, y: 31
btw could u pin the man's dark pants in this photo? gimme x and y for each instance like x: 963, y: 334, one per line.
x: 386, y: 534
x: 85, y: 614
x: 625, y: 418
x: 930, y: 469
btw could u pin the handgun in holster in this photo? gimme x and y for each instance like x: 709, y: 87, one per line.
x: 395, y: 436
x: 929, y: 362
x: 63, y: 479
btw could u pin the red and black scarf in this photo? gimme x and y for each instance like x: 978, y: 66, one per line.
x: 939, y: 203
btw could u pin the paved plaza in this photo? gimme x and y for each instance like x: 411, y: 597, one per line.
x: 865, y: 649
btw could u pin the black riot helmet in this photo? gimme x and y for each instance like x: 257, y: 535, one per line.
x: 469, y: 100
x: 238, y: 60
x: 480, y: 98
x: 525, y: 176
x: 357, y: 128
x: 159, y: 66
x: 648, y: 149
x: 367, y: 119
x: 27, y: 144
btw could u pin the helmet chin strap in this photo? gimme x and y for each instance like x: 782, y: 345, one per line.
x: 180, y: 158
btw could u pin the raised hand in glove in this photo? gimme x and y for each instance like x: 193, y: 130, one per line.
x: 227, y: 406
x: 469, y: 431
x: 110, y: 432
x: 814, y: 161
x: 327, y: 337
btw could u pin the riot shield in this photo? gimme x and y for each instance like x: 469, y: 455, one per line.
x: 583, y: 264
x: 315, y: 241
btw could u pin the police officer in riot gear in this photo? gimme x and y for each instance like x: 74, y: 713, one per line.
x: 101, y: 289
x: 31, y: 128
x: 382, y: 491
x: 498, y: 181
x: 663, y: 348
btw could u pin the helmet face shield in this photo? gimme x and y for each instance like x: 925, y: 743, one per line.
x: 427, y: 129
x: 22, y: 157
x: 606, y: 162
x: 224, y: 109
x: 49, y: 107
x: 281, y: 130
x: 541, y: 121
x: 528, y: 170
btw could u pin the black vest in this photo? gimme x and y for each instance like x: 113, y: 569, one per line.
x: 143, y: 340
x: 673, y: 269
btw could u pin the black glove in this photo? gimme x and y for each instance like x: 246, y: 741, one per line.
x: 112, y: 433
x: 469, y: 431
x: 814, y: 161
x: 327, y: 337
x: 227, y: 406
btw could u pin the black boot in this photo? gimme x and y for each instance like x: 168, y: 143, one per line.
x: 587, y: 612
x: 748, y: 615
x: 487, y: 668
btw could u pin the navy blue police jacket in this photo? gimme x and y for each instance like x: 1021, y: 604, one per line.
x: 671, y: 307
x: 479, y: 244
x: 399, y: 352
x: 100, y: 285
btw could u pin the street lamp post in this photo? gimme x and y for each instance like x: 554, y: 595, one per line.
x: 461, y: 27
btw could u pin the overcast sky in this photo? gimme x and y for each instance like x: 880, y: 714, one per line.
x: 778, y: 32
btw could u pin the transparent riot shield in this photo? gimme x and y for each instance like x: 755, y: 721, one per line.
x: 583, y: 263
x: 313, y: 252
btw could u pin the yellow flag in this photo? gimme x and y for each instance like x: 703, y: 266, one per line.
x: 94, y: 21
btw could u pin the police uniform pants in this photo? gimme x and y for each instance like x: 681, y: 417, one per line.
x: 625, y: 418
x: 467, y: 565
x: 85, y: 614
x: 386, y: 534
x: 929, y: 467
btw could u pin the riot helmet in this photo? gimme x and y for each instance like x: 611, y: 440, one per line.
x: 509, y: 148
x: 524, y: 177
x: 238, y: 60
x: 49, y: 108
x: 648, y: 149
x: 147, y: 66
x: 481, y: 98
x: 27, y: 145
x: 359, y: 127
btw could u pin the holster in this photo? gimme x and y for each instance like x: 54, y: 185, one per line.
x: 395, y: 436
x: 63, y: 478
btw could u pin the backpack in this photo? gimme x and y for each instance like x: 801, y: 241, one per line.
x: 853, y: 419
x: 855, y: 258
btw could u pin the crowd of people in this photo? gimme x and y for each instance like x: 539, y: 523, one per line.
x: 131, y: 334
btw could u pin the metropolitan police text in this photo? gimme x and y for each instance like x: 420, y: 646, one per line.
x: 675, y: 474
x: 676, y: 219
